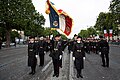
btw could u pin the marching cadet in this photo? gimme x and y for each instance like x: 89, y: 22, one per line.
x: 41, y: 49
x: 85, y: 46
x: 79, y: 56
x: 56, y: 54
x: 32, y: 61
x: 97, y: 46
x: 70, y: 46
x: 88, y: 47
x: 47, y: 44
x: 63, y: 45
x: 74, y: 42
x: 104, y: 49
x: 62, y: 48
x: 36, y: 45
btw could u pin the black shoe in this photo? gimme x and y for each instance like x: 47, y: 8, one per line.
x: 103, y: 65
x: 78, y: 76
x: 107, y: 66
x: 54, y: 75
x: 30, y: 73
x: 81, y: 76
x: 60, y: 66
x: 41, y: 65
x: 33, y: 73
x: 57, y: 75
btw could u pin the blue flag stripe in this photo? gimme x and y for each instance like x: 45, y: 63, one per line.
x: 54, y: 18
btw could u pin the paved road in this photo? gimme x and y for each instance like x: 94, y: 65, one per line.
x: 13, y: 66
x: 94, y: 71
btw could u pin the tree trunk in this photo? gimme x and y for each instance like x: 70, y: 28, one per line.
x: 8, y: 37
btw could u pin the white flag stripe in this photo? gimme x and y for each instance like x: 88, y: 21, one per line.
x: 110, y: 31
x: 105, y: 31
x: 62, y: 22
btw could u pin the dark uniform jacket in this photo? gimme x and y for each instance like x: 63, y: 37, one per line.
x: 31, y: 54
x: 70, y: 46
x: 79, y: 53
x: 41, y: 47
x: 55, y: 49
x: 103, y: 46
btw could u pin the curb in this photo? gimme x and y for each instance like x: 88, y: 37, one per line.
x: 71, y: 68
x: 115, y: 45
x: 10, y: 48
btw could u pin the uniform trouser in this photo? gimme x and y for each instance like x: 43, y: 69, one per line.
x: 74, y: 63
x: 105, y: 56
x: 0, y: 46
x: 33, y: 68
x: 69, y: 51
x: 60, y: 62
x: 88, y: 50
x: 56, y: 66
x: 41, y: 59
x: 79, y: 71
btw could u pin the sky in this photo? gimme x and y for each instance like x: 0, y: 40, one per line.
x: 83, y: 12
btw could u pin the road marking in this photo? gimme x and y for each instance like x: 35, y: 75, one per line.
x: 46, y: 66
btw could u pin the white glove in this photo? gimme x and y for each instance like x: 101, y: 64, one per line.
x: 71, y: 52
x: 99, y: 53
x: 45, y: 52
x: 73, y: 58
x: 60, y: 56
x: 63, y: 52
x: 84, y: 58
x: 36, y: 56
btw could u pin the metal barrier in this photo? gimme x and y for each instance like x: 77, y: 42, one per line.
x: 114, y: 43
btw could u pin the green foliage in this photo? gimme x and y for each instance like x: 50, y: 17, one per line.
x: 2, y: 33
x: 87, y: 33
x: 115, y: 6
x: 47, y: 31
x: 91, y: 31
x: 84, y: 33
x: 64, y: 37
x: 109, y: 20
x: 13, y: 35
x: 15, y: 13
x: 34, y: 27
x: 20, y: 15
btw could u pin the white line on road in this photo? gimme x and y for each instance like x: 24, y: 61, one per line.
x: 46, y: 66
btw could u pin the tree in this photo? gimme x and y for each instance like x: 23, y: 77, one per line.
x: 14, y: 15
x: 34, y: 27
x: 109, y: 20
x: 115, y: 10
x: 101, y: 22
x: 87, y: 33
x: 115, y: 6
x: 92, y: 31
x: 2, y: 33
x: 47, y: 31
x: 84, y: 33
x: 105, y: 21
x: 14, y: 34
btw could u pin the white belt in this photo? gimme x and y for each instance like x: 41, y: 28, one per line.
x: 55, y: 49
x: 78, y: 50
x: 30, y: 49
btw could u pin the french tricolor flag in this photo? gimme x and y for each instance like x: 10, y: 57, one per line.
x: 59, y: 19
